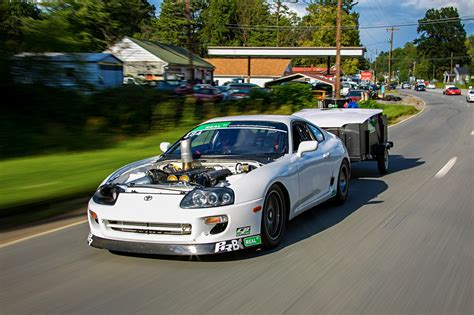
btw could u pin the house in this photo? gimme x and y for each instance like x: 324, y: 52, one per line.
x: 237, y: 69
x: 68, y: 70
x: 157, y: 61
x: 459, y: 76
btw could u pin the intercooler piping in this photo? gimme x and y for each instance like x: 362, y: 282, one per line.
x: 186, y: 154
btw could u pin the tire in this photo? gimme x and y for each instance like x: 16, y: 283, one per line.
x: 274, y: 216
x: 383, y: 162
x: 343, y: 180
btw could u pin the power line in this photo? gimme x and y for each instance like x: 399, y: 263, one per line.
x: 365, y: 27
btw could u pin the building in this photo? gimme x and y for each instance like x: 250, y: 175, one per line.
x: 459, y: 76
x: 157, y: 61
x: 68, y: 70
x: 260, y: 71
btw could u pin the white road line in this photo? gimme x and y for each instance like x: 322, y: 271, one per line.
x: 42, y: 233
x: 446, y: 168
x: 472, y: 133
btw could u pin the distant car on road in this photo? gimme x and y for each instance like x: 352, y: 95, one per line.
x: 470, y: 95
x: 453, y: 90
x: 355, y: 95
x: 393, y: 86
x: 430, y: 85
x: 406, y: 85
x: 420, y: 87
x: 241, y: 90
x: 225, y: 91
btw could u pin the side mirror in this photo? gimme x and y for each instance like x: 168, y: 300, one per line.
x: 306, y: 146
x: 164, y: 146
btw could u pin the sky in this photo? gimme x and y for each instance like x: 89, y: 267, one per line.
x: 390, y: 12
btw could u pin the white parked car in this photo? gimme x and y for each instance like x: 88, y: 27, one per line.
x: 228, y: 184
x: 470, y: 95
x: 430, y: 85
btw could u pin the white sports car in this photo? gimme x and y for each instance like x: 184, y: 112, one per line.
x: 228, y: 184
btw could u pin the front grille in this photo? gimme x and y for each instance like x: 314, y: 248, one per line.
x: 149, y: 228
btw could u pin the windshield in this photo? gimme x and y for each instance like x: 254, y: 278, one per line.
x: 354, y: 93
x: 248, y: 138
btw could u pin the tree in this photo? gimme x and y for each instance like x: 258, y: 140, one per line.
x: 318, y: 29
x: 217, y: 19
x: 250, y: 15
x: 470, y: 51
x: 12, y: 14
x: 171, y: 27
x: 438, y: 41
x: 85, y: 25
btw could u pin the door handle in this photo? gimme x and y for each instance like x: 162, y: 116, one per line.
x: 327, y: 155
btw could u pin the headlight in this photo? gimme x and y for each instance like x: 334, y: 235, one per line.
x: 107, y: 194
x: 207, y: 198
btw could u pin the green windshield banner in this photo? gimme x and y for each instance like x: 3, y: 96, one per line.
x: 210, y: 126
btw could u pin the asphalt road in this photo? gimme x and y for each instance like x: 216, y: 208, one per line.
x: 403, y: 243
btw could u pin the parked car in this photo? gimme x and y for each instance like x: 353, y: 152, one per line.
x: 406, y: 85
x: 229, y: 184
x: 452, y: 90
x: 207, y: 93
x: 470, y: 95
x: 430, y: 85
x: 393, y: 86
x: 241, y: 90
x: 175, y: 87
x: 420, y: 87
x: 355, y: 95
x: 225, y: 91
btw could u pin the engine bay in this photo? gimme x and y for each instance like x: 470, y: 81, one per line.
x: 173, y: 173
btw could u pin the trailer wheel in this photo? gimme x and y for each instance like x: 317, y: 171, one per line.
x: 383, y: 162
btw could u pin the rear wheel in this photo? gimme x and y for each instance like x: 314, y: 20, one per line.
x: 343, y: 180
x: 273, y: 218
x: 383, y: 162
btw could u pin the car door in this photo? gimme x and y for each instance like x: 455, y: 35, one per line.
x: 311, y: 168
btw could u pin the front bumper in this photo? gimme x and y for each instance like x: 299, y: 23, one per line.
x: 174, y: 249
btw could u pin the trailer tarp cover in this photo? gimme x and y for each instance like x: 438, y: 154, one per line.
x: 338, y: 117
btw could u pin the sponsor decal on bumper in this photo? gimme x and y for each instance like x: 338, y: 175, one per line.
x: 173, y: 249
x: 242, y: 231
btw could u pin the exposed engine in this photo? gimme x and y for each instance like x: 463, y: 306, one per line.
x: 187, y: 171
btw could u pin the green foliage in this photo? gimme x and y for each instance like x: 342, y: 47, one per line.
x: 296, y: 95
x: 12, y: 14
x: 438, y: 41
x: 85, y: 25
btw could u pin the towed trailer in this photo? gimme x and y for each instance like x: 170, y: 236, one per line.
x: 363, y: 131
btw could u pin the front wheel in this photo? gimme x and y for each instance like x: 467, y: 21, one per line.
x: 273, y: 218
x: 383, y: 162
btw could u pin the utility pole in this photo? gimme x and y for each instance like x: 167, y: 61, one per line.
x: 451, y: 62
x: 375, y: 66
x: 190, y: 43
x: 391, y: 30
x: 337, y: 84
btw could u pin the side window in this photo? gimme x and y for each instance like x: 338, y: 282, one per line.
x: 318, y: 135
x: 300, y: 133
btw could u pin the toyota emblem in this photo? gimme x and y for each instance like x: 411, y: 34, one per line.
x: 148, y: 198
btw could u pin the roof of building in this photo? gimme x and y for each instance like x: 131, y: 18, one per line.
x: 461, y: 70
x: 299, y: 76
x: 258, y: 67
x: 67, y: 57
x: 171, y: 54
x: 314, y: 70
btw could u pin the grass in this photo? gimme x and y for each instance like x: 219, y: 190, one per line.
x: 25, y: 182
x: 393, y: 112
